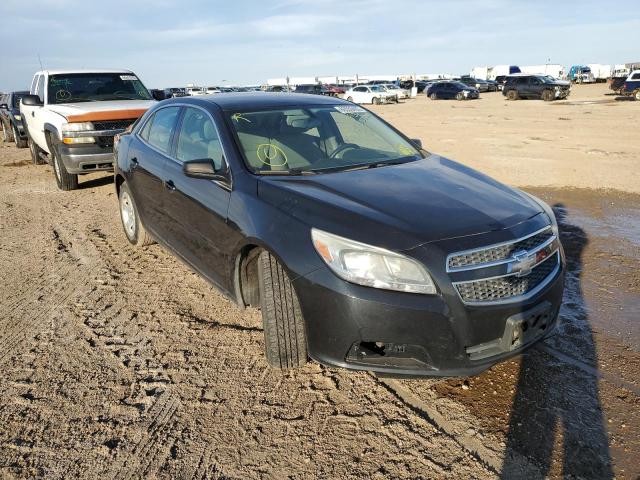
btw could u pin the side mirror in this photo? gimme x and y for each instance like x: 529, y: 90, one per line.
x: 202, y: 168
x: 32, y: 101
x: 158, y: 95
x: 417, y: 142
x: 4, y: 106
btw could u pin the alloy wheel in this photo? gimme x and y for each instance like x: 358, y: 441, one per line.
x: 128, y: 215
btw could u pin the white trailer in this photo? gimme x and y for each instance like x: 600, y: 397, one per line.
x: 502, y: 70
x: 601, y: 72
x: 480, y: 72
x: 555, y: 70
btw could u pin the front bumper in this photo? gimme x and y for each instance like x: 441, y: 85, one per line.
x: 80, y: 159
x: 397, y: 333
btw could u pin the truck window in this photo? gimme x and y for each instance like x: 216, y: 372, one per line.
x: 40, y: 88
x: 92, y: 87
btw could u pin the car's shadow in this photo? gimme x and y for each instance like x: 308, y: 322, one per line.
x: 556, y: 419
x: 95, y: 182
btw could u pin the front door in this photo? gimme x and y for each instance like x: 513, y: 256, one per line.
x: 196, y: 209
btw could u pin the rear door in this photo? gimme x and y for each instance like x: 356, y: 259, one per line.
x: 147, y: 156
x: 196, y: 209
x: 535, y: 87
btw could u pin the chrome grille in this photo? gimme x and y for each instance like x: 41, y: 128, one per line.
x: 497, y: 253
x: 506, y: 287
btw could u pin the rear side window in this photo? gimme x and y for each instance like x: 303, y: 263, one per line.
x: 522, y: 81
x: 636, y: 76
x: 157, y: 131
x: 198, y: 138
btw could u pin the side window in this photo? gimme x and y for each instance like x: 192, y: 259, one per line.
x: 522, y: 81
x: 40, y: 88
x: 535, y: 81
x: 161, y: 127
x: 636, y: 76
x: 198, y: 138
x: 144, y: 133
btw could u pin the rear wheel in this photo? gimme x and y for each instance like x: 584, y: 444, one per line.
x: 433, y: 96
x: 636, y: 94
x: 66, y: 181
x: 20, y: 142
x: 35, y: 151
x: 284, y: 335
x: 133, y: 228
x: 547, y: 95
x: 512, y: 94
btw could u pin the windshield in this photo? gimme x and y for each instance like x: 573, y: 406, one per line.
x: 376, y: 88
x: 94, y: 87
x: 316, y: 139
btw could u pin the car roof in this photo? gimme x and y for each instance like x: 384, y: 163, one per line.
x: 84, y: 70
x: 259, y: 100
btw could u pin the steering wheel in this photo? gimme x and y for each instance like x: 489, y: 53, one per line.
x: 342, y: 148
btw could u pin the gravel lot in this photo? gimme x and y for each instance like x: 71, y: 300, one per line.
x: 117, y: 362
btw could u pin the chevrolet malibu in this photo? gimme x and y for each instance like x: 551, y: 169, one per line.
x: 361, y: 249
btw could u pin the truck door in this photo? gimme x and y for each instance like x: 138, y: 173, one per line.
x: 28, y: 115
x: 37, y: 116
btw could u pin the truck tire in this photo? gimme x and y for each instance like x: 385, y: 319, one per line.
x: 20, y: 142
x: 133, y: 228
x: 284, y: 335
x: 7, y: 133
x: 66, y: 181
x: 35, y: 151
x: 547, y: 95
x: 512, y: 95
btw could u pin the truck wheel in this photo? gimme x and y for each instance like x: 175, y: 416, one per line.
x: 66, y: 181
x: 7, y: 134
x: 512, y: 94
x: 433, y: 96
x: 547, y: 95
x: 20, y: 142
x: 35, y: 151
x: 133, y: 228
x: 284, y: 336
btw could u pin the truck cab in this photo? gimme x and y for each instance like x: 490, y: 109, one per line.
x: 72, y: 116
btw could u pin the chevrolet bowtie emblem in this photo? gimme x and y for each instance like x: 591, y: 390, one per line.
x: 522, y: 263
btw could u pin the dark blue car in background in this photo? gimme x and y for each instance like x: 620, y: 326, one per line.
x: 451, y: 90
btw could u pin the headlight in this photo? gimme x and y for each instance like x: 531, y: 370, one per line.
x: 70, y: 130
x: 371, y: 266
x: 17, y: 117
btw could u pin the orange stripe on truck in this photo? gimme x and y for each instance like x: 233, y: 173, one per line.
x: 107, y: 115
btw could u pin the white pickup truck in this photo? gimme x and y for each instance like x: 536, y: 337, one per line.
x: 72, y: 116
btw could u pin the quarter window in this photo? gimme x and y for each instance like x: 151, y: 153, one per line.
x: 198, y: 138
x: 158, y: 130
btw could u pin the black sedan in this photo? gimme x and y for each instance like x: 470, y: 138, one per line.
x: 451, y: 90
x: 362, y: 249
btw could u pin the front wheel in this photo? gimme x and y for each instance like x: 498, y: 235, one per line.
x: 284, y: 335
x: 547, y: 95
x: 460, y: 96
x: 66, y: 181
x: 349, y: 99
x: 636, y: 94
x: 20, y: 142
x: 512, y: 94
x: 133, y: 229
x: 433, y: 96
x: 7, y: 134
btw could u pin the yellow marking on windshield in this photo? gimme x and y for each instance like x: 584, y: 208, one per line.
x: 238, y: 116
x: 267, y: 153
x: 404, y: 150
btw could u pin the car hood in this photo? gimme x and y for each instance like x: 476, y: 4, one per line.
x: 85, y: 110
x: 401, y: 206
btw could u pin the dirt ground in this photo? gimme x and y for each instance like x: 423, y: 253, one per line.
x: 117, y: 362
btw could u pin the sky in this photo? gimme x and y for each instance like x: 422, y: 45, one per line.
x: 175, y: 42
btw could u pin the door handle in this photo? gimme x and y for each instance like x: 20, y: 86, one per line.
x: 134, y: 163
x: 33, y: 114
x: 169, y: 185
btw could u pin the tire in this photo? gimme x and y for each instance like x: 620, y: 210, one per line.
x: 433, y: 96
x: 375, y: 101
x: 7, y: 133
x: 349, y: 99
x: 547, y: 95
x: 133, y: 228
x: 636, y: 94
x: 459, y: 96
x: 66, y: 181
x: 512, y: 95
x: 284, y: 335
x: 20, y: 142
x: 35, y: 151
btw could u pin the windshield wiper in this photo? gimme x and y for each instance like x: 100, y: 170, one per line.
x: 292, y: 171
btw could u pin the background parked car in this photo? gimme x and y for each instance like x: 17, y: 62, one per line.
x: 313, y: 89
x: 448, y: 90
x: 400, y: 93
x: 632, y: 85
x: 174, y: 92
x: 12, y: 128
x: 478, y: 84
x: 535, y: 87
x: 373, y: 94
x: 500, y: 79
